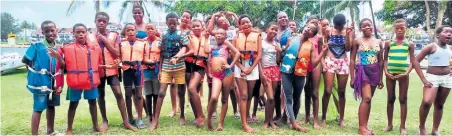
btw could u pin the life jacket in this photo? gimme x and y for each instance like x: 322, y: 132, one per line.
x: 247, y: 45
x: 109, y: 60
x: 82, y: 65
x: 153, y: 53
x: 36, y: 77
x: 200, y: 57
x: 170, y: 47
x: 304, y: 59
x: 132, y: 55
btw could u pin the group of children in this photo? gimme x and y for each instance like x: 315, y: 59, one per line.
x: 285, y: 62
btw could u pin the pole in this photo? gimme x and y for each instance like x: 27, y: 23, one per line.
x: 294, y: 9
x: 373, y: 19
x: 321, y: 3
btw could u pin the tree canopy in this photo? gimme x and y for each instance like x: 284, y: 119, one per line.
x: 9, y: 25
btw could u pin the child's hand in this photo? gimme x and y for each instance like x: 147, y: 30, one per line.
x: 229, y: 14
x: 350, y: 28
x: 389, y: 75
x: 380, y: 85
x: 100, y: 37
x: 59, y: 91
x: 400, y: 75
x: 53, y: 53
x: 427, y: 84
x: 226, y: 66
x: 174, y: 60
x: 246, y: 71
x: 218, y: 14
x: 352, y: 83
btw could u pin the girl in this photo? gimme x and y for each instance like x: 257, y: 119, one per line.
x: 397, y: 68
x: 284, y: 33
x: 438, y: 79
x: 198, y: 40
x: 221, y: 75
x: 138, y: 13
x: 368, y: 54
x: 248, y: 42
x: 293, y: 27
x: 132, y: 54
x: 299, y: 54
x: 151, y: 82
x: 269, y: 71
x: 336, y: 63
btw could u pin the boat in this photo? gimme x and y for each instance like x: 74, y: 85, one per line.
x: 10, y: 61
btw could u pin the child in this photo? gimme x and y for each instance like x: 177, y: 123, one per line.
x: 336, y: 64
x: 82, y: 61
x: 397, y: 68
x: 132, y: 56
x: 248, y: 42
x: 109, y: 44
x: 37, y: 59
x: 221, y: 75
x: 293, y: 27
x: 172, y: 66
x: 198, y: 40
x: 438, y: 78
x: 269, y: 72
x: 368, y: 54
x: 151, y: 82
x: 138, y: 14
x: 299, y: 54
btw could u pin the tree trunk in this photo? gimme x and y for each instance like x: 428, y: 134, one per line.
x: 98, y: 6
x: 442, y: 6
x: 427, y: 20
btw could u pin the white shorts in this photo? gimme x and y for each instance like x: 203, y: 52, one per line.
x: 439, y: 80
x: 254, y: 75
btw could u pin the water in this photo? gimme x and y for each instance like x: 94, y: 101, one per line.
x: 21, y: 51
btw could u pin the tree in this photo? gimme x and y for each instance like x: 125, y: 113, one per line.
x: 9, y: 25
x: 415, y: 12
x: 141, y: 3
x: 25, y: 26
x: 77, y: 3
x: 260, y: 12
x: 330, y: 8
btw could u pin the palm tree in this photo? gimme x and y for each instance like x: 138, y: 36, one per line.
x: 77, y: 3
x: 330, y: 8
x: 125, y: 4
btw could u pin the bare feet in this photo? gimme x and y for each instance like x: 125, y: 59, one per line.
x: 200, y: 122
x: 248, y: 129
x: 436, y: 133
x: 182, y: 121
x: 323, y: 123
x: 316, y: 125
x: 299, y: 128
x: 403, y: 132
x: 98, y: 129
x: 274, y: 126
x: 127, y: 125
x: 105, y: 125
x: 389, y: 128
x: 220, y: 127
x: 342, y: 124
x: 265, y: 126
x: 172, y: 114
x: 153, y: 126
x: 209, y: 125
x: 364, y: 131
x: 49, y: 132
x: 69, y: 132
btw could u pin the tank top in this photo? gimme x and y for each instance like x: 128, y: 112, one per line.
x: 141, y: 34
x: 219, y: 51
x: 440, y: 57
x: 268, y: 53
x: 398, y: 57
x: 368, y: 54
x: 336, y: 44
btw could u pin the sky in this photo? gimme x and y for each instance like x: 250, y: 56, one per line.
x: 37, y: 11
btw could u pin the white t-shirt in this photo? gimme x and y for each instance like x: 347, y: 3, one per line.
x: 269, y: 53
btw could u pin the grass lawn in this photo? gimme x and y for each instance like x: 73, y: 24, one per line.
x: 16, y: 109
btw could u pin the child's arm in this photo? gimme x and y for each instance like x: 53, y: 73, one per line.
x: 237, y: 63
x: 235, y: 51
x: 416, y: 64
x: 316, y: 59
x: 57, y: 55
x: 278, y: 53
x: 412, y: 57
x: 207, y: 49
x: 212, y: 23
x: 258, y: 57
x: 110, y: 48
x: 147, y: 52
x: 349, y: 36
x: 354, y: 49
x: 386, y: 58
x: 30, y: 55
x: 380, y: 64
x: 234, y: 16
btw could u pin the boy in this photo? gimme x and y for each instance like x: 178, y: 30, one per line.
x: 41, y: 56
x: 82, y: 61
x: 109, y: 44
x: 173, y: 64
x: 398, y: 68
x: 151, y: 82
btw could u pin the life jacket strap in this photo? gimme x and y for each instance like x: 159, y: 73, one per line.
x: 42, y: 89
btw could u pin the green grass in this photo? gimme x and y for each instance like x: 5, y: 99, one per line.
x: 16, y: 109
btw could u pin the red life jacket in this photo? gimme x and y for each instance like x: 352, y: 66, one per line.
x: 108, y: 58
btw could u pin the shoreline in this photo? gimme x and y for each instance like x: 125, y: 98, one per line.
x: 14, y: 46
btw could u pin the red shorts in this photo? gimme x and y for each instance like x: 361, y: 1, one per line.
x: 272, y: 73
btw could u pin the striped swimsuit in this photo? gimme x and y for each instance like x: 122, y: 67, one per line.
x: 398, y: 56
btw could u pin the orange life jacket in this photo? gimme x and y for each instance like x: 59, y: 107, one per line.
x: 304, y: 58
x: 108, y: 58
x: 153, y: 53
x: 247, y: 45
x: 82, y: 65
x: 133, y: 55
x: 200, y: 57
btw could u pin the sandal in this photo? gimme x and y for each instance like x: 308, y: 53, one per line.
x: 255, y: 119
x: 236, y: 115
x: 132, y: 121
x: 140, y: 124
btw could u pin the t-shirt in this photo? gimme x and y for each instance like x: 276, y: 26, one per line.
x: 269, y: 53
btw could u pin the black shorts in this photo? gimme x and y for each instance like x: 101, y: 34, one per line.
x: 111, y: 80
x: 257, y: 88
x: 191, y: 67
x: 130, y: 77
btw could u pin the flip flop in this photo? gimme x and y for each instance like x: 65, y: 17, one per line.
x: 132, y: 121
x: 236, y: 116
x: 140, y: 124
